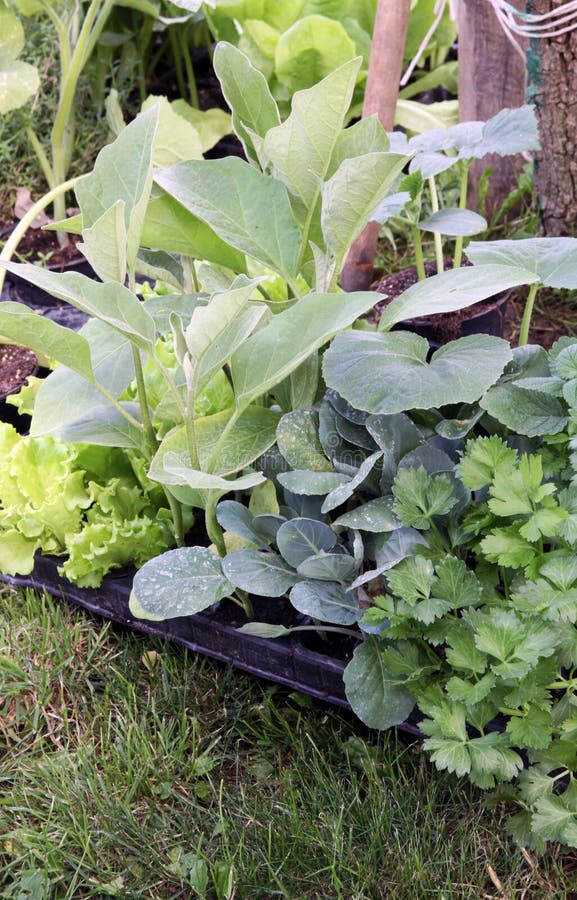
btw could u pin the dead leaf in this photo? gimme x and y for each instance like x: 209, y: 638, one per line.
x: 24, y: 202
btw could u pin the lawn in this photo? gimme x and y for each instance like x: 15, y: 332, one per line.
x: 133, y: 769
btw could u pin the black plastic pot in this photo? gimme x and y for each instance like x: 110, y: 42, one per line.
x: 286, y: 661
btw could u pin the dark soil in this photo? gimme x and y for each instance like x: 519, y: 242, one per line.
x: 16, y: 364
x: 38, y: 245
x: 486, y: 316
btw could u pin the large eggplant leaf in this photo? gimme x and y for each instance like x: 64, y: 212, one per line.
x: 553, y: 261
x: 301, y: 149
x: 454, y: 289
x: 105, y: 244
x: 112, y: 303
x: 275, y: 351
x: 169, y: 226
x: 208, y: 323
x: 300, y: 538
x: 353, y: 195
x: 326, y: 601
x: 266, y: 574
x: 229, y: 340
x: 105, y: 426
x: 180, y: 582
x: 22, y: 326
x: 176, y: 470
x: 375, y: 700
x: 389, y: 373
x: 365, y: 136
x: 65, y: 395
x: 254, y: 111
x: 248, y: 210
x: 122, y: 172
x: 252, y: 434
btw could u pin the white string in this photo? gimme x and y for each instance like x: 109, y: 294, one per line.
x: 532, y: 25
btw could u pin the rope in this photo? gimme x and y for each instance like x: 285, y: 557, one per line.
x: 531, y: 25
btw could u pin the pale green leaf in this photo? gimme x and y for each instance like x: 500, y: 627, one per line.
x: 327, y: 602
x: 23, y: 326
x: 180, y: 582
x: 374, y: 699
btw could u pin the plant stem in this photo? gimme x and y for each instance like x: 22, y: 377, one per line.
x: 176, y: 512
x: 142, y: 399
x: 418, y: 248
x: 172, y: 37
x: 213, y: 529
x: 437, y: 237
x: 462, y: 205
x: 41, y: 157
x: 527, y: 314
x: 189, y: 68
x: 12, y: 243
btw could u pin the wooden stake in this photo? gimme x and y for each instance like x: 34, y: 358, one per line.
x: 385, y: 68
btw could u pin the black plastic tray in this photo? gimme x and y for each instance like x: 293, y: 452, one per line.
x: 286, y: 661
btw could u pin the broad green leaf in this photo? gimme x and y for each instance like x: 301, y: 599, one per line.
x: 265, y: 574
x: 298, y: 441
x: 112, y: 303
x: 176, y: 470
x: 248, y: 210
x: 248, y: 95
x: 210, y: 124
x: 275, y: 351
x: 526, y: 412
x: 237, y: 519
x: 264, y: 630
x: 365, y: 136
x: 375, y: 516
x: 342, y: 493
x: 19, y: 324
x: 510, y: 131
x: 19, y: 81
x: 65, y: 395
x: 122, y: 171
x: 180, y: 582
x: 311, y: 484
x: 328, y: 567
x: 374, y: 699
x: 311, y: 49
x: 301, y: 149
x: 533, y: 730
x: 105, y: 426
x: 104, y: 244
x: 389, y: 373
x: 327, y: 602
x: 452, y: 290
x: 353, y: 194
x: 300, y: 538
x: 229, y: 340
x: 176, y: 137
x: 248, y: 439
x: 209, y: 322
x: 421, y: 117
x: 431, y: 164
x: 552, y: 260
x: 454, y: 222
x: 169, y: 226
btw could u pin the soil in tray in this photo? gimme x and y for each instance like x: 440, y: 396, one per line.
x: 16, y: 364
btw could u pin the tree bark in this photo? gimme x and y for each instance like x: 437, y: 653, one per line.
x: 491, y: 78
x: 552, y: 88
x: 385, y: 68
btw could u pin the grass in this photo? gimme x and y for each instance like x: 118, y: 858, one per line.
x: 130, y: 768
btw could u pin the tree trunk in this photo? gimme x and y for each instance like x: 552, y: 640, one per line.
x: 491, y: 78
x: 552, y: 72
x: 385, y: 67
